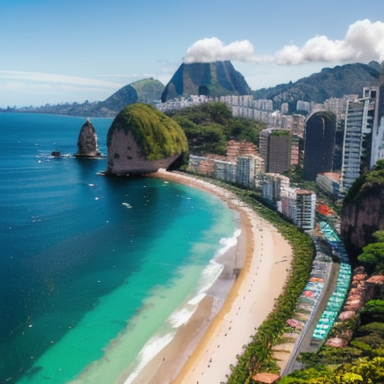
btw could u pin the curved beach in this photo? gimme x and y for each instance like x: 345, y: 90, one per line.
x: 204, y: 348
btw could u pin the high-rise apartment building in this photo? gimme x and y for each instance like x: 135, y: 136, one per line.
x: 249, y: 170
x: 361, y: 136
x: 273, y: 187
x: 305, y: 205
x: 319, y: 144
x: 275, y: 149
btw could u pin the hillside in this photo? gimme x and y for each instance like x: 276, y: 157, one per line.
x: 330, y: 82
x: 215, y: 79
x: 210, y: 126
x: 363, y: 210
x: 218, y: 79
x: 146, y: 91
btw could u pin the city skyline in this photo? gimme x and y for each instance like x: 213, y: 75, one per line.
x: 54, y: 52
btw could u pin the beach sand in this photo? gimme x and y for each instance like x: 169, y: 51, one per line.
x: 204, y: 348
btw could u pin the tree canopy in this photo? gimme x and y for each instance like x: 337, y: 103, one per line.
x: 373, y: 254
x: 210, y: 126
x: 156, y: 134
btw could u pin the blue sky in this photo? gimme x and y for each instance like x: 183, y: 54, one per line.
x: 54, y: 51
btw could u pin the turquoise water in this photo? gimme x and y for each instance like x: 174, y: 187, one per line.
x: 93, y: 268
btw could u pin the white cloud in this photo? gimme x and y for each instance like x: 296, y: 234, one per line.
x: 212, y: 49
x: 363, y: 42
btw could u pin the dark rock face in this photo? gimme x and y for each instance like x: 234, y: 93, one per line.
x: 212, y: 79
x: 362, y: 217
x: 87, y: 142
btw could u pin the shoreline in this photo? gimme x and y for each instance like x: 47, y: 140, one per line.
x: 199, y: 352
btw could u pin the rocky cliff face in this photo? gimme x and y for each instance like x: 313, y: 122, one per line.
x: 363, y: 215
x: 213, y: 79
x: 87, y: 142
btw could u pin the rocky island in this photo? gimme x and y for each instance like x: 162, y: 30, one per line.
x: 142, y: 140
x: 87, y: 142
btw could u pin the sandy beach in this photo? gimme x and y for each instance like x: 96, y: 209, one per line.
x: 204, y: 348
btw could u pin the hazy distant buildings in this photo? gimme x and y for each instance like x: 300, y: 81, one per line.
x: 319, y: 144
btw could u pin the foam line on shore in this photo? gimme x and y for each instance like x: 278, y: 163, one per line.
x: 150, y: 349
x: 204, y: 348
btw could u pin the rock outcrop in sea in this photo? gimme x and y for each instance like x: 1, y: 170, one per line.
x: 87, y: 142
x: 142, y: 140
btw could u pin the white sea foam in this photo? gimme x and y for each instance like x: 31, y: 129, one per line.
x: 150, y: 350
x: 228, y: 242
x: 196, y: 300
x: 208, y: 276
x: 177, y: 319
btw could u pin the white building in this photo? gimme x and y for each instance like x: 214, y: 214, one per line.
x: 273, y: 186
x: 361, y: 134
x: 249, y: 171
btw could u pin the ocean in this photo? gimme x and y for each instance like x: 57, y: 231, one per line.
x: 96, y: 273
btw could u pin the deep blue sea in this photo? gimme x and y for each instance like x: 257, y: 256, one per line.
x: 93, y: 270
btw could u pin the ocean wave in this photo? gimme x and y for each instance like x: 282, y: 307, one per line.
x: 150, y: 350
x: 228, y: 242
x: 178, y: 318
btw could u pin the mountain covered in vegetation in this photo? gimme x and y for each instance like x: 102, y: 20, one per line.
x: 218, y: 78
x: 145, y: 91
x: 330, y: 82
x: 142, y: 139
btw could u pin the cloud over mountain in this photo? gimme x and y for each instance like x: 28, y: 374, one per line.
x: 213, y: 49
x: 363, y: 42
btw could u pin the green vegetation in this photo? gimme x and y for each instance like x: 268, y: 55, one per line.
x: 373, y: 257
x: 281, y: 133
x: 148, y: 90
x: 156, y: 134
x: 373, y: 311
x: 217, y: 78
x: 210, y: 126
x: 258, y: 355
x: 330, y: 82
x: 373, y: 254
x: 364, y: 371
x: 373, y: 178
x: 361, y: 361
